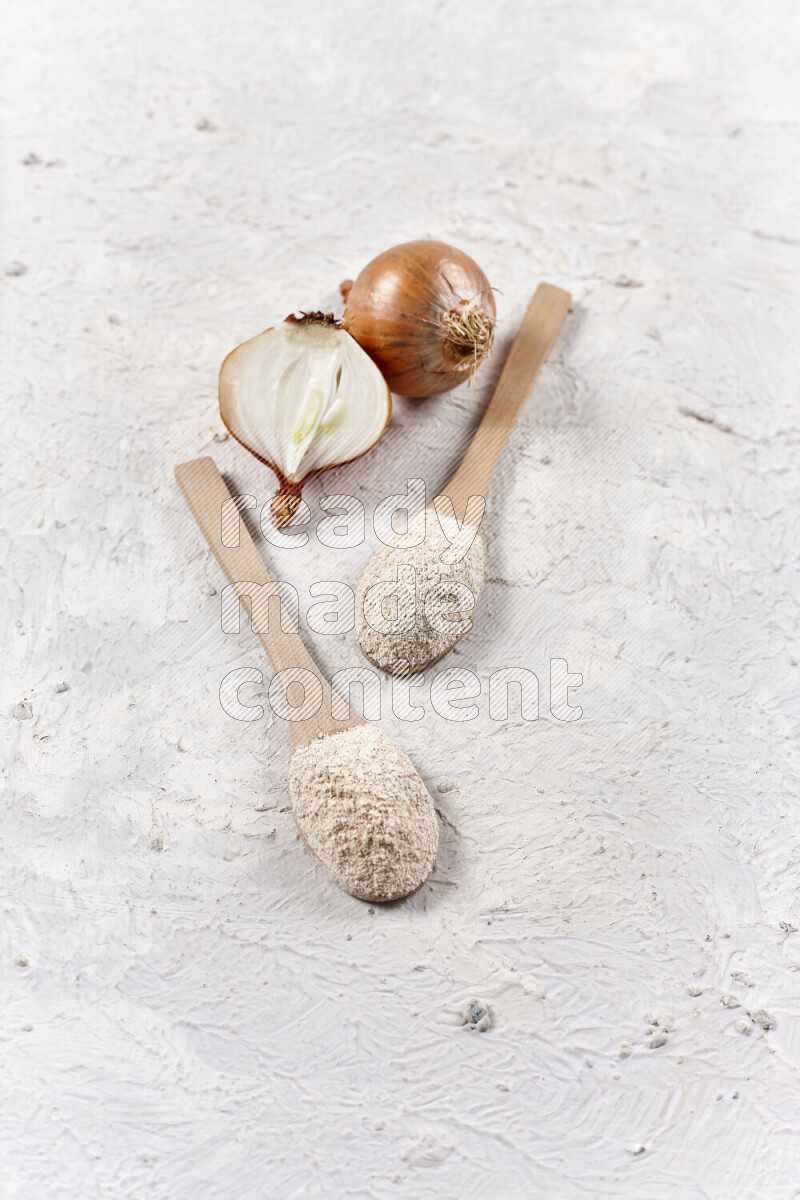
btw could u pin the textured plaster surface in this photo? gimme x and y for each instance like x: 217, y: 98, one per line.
x: 188, y: 1007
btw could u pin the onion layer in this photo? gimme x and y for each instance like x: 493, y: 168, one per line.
x: 425, y: 313
x: 303, y: 397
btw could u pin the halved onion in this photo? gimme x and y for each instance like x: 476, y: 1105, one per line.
x: 303, y: 397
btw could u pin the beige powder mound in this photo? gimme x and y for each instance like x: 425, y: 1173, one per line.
x: 435, y: 629
x: 364, y: 812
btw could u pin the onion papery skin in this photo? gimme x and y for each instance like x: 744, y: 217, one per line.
x: 408, y: 309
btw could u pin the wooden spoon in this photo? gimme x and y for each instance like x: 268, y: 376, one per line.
x: 403, y: 651
x: 359, y: 805
x: 534, y: 341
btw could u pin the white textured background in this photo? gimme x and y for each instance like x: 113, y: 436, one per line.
x: 189, y: 1010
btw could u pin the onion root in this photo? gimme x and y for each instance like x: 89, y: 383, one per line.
x: 285, y: 502
x: 470, y: 332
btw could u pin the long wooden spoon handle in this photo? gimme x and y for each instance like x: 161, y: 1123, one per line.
x: 216, y: 513
x: 531, y: 346
x: 312, y: 712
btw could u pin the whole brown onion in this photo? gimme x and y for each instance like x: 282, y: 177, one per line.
x: 425, y: 313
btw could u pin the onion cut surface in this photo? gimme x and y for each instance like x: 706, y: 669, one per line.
x: 303, y: 397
